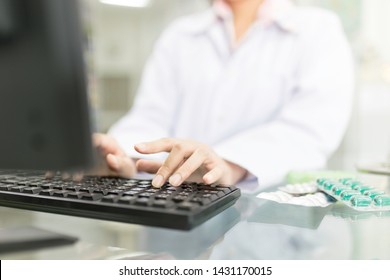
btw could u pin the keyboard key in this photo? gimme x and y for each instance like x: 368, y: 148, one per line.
x: 201, y: 201
x: 153, y: 190
x: 115, y: 192
x: 162, y: 196
x: 211, y: 191
x: 60, y: 193
x: 145, y: 194
x: 101, y: 191
x: 46, y: 186
x: 169, y: 192
x: 132, y: 193
x: 133, y: 181
x: 183, y: 193
x: 72, y: 188
x: 137, y: 189
x: 129, y: 185
x: 142, y: 201
x: 6, y: 187
x: 146, y: 182
x: 47, y: 192
x: 122, y: 188
x: 75, y: 195
x: 127, y: 199
x: 230, y: 188
x: 179, y: 198
x: 91, y: 196
x: 110, y: 198
x: 162, y: 203
x: 32, y: 190
x: 188, y: 206
x: 224, y: 190
x: 6, y: 177
x: 208, y: 195
x: 11, y: 182
x: 17, y: 188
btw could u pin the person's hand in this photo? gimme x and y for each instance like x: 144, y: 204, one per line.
x: 114, y: 161
x: 187, y: 158
x: 111, y: 161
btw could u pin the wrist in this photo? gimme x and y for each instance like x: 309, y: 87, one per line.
x: 237, y: 173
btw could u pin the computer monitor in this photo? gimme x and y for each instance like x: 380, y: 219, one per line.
x: 44, y: 116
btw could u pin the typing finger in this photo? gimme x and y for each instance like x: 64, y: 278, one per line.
x: 161, y: 145
x: 78, y: 176
x: 49, y: 174
x: 149, y: 166
x: 177, y: 155
x: 213, y: 175
x: 107, y: 145
x: 188, y: 167
x: 123, y: 166
x: 66, y: 176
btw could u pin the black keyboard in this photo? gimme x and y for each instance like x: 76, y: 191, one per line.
x: 116, y: 199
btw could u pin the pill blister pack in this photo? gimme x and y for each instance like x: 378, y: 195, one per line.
x: 300, y: 189
x: 318, y: 199
x: 304, y: 194
x: 355, y: 194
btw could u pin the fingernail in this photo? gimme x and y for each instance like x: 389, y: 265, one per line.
x: 114, y: 162
x: 141, y: 146
x: 158, y: 181
x: 175, y: 180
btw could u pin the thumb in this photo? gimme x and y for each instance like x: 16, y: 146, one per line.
x: 123, y: 166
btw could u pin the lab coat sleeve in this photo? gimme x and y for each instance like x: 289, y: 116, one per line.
x: 152, y: 114
x: 311, y: 124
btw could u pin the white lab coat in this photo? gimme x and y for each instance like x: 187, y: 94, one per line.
x: 278, y: 101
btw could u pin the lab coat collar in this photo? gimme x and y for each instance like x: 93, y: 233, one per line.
x: 271, y: 12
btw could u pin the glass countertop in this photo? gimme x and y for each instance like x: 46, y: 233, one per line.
x: 251, y: 229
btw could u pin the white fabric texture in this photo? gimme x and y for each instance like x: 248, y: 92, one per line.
x: 277, y: 101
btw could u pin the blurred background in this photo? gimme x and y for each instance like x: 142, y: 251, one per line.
x: 121, y: 39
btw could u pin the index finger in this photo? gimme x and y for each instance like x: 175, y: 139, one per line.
x: 107, y: 145
x: 157, y: 146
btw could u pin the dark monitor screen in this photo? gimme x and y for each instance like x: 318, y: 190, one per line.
x: 44, y: 117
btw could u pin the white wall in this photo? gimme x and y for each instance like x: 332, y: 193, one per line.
x: 123, y: 39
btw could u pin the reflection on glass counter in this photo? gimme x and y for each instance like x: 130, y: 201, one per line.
x: 251, y: 229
